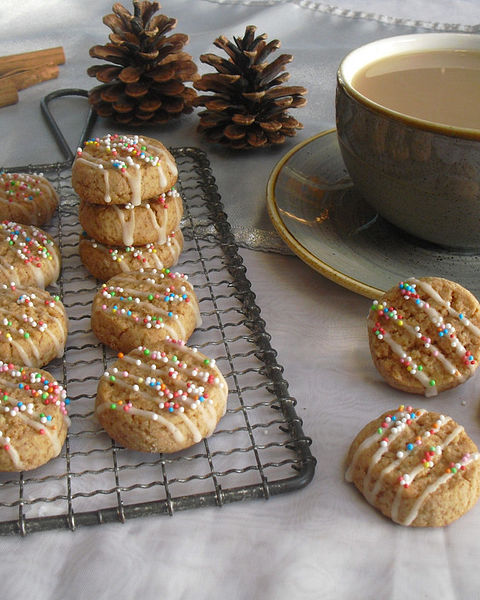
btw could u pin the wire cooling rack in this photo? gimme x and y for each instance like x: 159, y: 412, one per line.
x: 258, y: 449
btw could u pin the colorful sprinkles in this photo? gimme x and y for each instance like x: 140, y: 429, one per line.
x: 36, y: 390
x: 30, y: 244
x: 118, y: 300
x: 175, y: 384
x: 20, y: 187
x: 121, y: 151
x: 395, y: 424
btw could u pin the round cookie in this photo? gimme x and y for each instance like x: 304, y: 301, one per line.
x: 103, y: 262
x: 28, y: 199
x: 28, y: 256
x: 122, y: 169
x: 143, y: 307
x: 33, y: 326
x: 417, y: 467
x: 424, y: 335
x: 161, y: 400
x: 33, y: 417
x: 148, y: 223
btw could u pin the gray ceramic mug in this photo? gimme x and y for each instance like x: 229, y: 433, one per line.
x: 422, y: 176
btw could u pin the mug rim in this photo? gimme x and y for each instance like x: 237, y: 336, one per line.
x: 402, y: 44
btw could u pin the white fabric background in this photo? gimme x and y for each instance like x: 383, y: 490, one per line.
x: 323, y: 541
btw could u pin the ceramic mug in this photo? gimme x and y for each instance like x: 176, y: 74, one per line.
x: 421, y: 175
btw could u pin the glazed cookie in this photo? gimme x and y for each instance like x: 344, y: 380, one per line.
x: 33, y: 417
x: 121, y: 169
x: 143, y: 307
x: 28, y: 199
x: 417, y: 467
x: 103, y: 262
x: 424, y: 335
x: 33, y: 326
x: 130, y: 225
x: 28, y: 256
x: 161, y: 400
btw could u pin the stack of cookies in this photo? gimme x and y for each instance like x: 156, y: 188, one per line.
x: 129, y: 208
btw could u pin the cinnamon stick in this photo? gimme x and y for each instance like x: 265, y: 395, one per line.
x: 8, y: 93
x: 26, y: 60
x: 23, y: 78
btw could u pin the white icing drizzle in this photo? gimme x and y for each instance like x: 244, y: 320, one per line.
x: 412, y: 515
x: 420, y: 375
x: 8, y: 270
x: 127, y: 225
x: 434, y: 351
x: 106, y: 179
x: 399, y: 417
x: 148, y: 414
x: 410, y: 477
x: 135, y: 181
x: 436, y: 296
x: 372, y: 494
x: 159, y: 224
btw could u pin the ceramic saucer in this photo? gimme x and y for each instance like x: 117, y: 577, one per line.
x: 324, y: 220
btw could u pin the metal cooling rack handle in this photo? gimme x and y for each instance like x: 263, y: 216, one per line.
x: 57, y: 133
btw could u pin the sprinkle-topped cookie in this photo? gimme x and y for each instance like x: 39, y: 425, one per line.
x: 143, y: 307
x: 417, y: 467
x: 33, y: 326
x: 33, y: 417
x: 424, y: 335
x: 103, y: 262
x: 118, y: 169
x: 163, y: 399
x: 130, y: 225
x: 27, y: 199
x: 28, y: 256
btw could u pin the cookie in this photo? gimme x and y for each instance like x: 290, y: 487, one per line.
x: 27, y: 199
x: 424, y: 335
x: 33, y: 326
x: 148, y: 223
x: 141, y: 308
x: 28, y: 256
x: 103, y: 262
x: 33, y: 417
x: 161, y: 400
x: 417, y: 467
x: 122, y: 169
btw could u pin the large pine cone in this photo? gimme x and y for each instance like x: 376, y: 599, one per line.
x: 145, y: 83
x: 249, y: 105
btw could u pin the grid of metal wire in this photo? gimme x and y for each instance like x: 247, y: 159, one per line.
x: 259, y: 448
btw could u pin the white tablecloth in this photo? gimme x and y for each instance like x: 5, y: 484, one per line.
x: 324, y: 541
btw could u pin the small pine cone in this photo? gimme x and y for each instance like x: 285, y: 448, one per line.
x: 145, y: 83
x: 249, y: 104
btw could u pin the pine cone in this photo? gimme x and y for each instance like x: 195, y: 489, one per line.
x: 248, y: 107
x: 145, y: 81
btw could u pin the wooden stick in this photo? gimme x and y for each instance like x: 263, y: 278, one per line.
x: 23, y: 78
x: 8, y: 93
x: 26, y: 60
